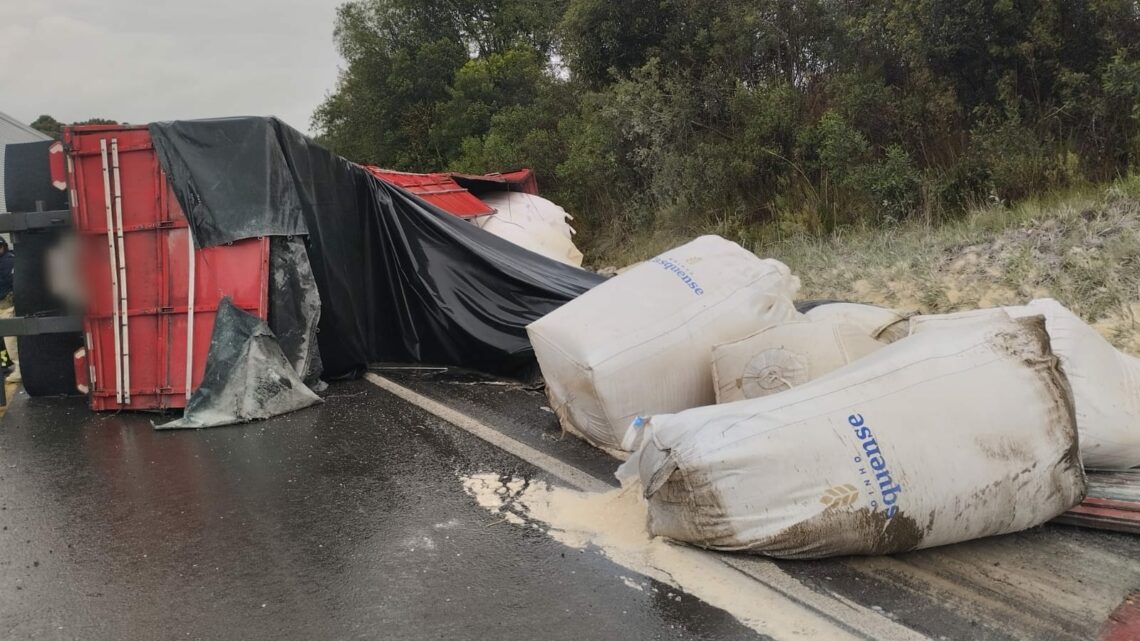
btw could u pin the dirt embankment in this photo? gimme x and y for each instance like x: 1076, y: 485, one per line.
x: 1082, y: 249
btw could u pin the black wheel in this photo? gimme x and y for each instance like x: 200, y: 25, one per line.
x: 27, y: 178
x: 46, y: 360
x: 806, y: 306
x: 46, y: 363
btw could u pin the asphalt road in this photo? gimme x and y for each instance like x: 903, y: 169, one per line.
x: 345, y: 521
x: 348, y: 521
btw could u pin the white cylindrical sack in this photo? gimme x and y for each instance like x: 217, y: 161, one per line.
x: 959, y: 320
x: 880, y: 323
x: 942, y: 437
x: 641, y: 342
x: 532, y: 222
x: 784, y: 356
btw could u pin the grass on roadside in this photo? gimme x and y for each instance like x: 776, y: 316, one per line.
x: 1081, y: 247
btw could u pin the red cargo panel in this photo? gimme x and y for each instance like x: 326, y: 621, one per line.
x: 438, y: 189
x: 518, y: 180
x: 146, y: 367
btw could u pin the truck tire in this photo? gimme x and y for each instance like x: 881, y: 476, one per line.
x: 42, y: 363
x: 805, y: 306
x: 27, y: 178
x: 46, y: 360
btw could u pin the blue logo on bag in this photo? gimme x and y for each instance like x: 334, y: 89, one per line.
x: 888, y: 489
x: 685, y: 277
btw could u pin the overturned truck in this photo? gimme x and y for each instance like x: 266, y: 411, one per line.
x: 174, y: 223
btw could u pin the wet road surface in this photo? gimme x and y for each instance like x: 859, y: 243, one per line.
x: 345, y: 521
x: 348, y: 521
x: 1052, y: 582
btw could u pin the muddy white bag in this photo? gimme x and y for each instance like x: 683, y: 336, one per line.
x: 1104, y: 380
x: 941, y: 437
x: 641, y: 342
x: 880, y: 323
x: 779, y: 358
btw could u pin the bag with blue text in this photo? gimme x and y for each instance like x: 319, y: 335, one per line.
x: 941, y: 437
x: 640, y: 342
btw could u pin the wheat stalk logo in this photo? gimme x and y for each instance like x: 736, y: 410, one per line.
x: 839, y: 496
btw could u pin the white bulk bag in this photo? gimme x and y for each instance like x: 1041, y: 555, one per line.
x: 1105, y: 381
x: 785, y: 356
x: 941, y: 437
x: 533, y: 223
x: 641, y: 342
x: 880, y: 323
x: 959, y: 320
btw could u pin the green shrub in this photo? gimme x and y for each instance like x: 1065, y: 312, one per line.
x: 892, y: 184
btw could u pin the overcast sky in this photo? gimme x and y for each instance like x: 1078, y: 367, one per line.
x: 143, y: 60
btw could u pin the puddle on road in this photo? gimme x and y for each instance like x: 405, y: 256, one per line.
x: 614, y: 523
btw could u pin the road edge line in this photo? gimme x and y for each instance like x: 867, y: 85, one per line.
x: 569, y: 474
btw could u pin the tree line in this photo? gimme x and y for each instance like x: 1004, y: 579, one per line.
x: 807, y: 115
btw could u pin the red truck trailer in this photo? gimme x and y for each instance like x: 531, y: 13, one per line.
x: 151, y: 296
x: 137, y: 335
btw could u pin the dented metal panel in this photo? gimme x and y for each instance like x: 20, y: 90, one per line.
x: 438, y: 189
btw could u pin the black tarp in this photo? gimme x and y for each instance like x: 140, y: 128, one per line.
x: 295, y: 307
x: 247, y: 376
x: 399, y: 279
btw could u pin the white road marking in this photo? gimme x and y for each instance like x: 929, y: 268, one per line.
x: 849, y: 620
x: 573, y: 476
